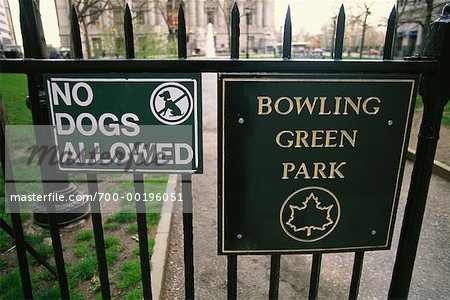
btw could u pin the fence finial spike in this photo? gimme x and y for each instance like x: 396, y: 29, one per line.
x: 235, y: 32
x: 74, y: 11
x: 446, y: 9
x: 342, y: 11
x: 287, y: 36
x: 127, y: 12
x: 393, y: 12
x: 182, y: 39
x: 235, y: 8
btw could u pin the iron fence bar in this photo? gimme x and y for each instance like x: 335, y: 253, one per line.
x: 287, y: 35
x: 99, y: 239
x: 75, y: 34
x: 356, y: 275
x: 275, y: 259
x: 435, y: 92
x: 186, y: 188
x: 10, y: 231
x: 217, y: 65
x: 234, y: 55
x: 31, y: 27
x: 274, y: 276
x: 186, y: 185
x: 128, y: 31
x: 358, y: 259
x: 98, y: 236
x: 141, y: 213
x: 235, y: 32
x: 182, y: 39
x: 390, y: 33
x: 16, y: 220
x: 232, y: 276
x: 57, y: 250
x: 143, y: 238
x: 96, y: 214
x: 340, y: 31
x: 315, y: 276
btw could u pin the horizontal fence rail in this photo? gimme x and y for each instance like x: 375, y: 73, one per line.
x: 216, y: 65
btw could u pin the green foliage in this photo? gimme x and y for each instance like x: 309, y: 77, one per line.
x: 111, y: 226
x: 10, y: 286
x: 446, y: 116
x: 85, y: 235
x: 45, y: 250
x: 132, y: 228
x: 82, y: 250
x: 48, y: 293
x: 14, y: 91
x: 153, y: 219
x: 134, y: 294
x: 111, y: 241
x: 130, y: 274
x: 3, y: 262
x: 84, y: 269
x: 122, y: 218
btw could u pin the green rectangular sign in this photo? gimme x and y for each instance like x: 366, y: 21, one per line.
x: 311, y: 162
x: 126, y: 122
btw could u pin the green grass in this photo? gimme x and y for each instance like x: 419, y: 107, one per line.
x: 111, y: 227
x: 85, y: 235
x: 130, y: 274
x: 82, y: 249
x: 446, y: 116
x: 14, y: 91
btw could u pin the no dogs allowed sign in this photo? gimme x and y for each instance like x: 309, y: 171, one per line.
x: 136, y: 123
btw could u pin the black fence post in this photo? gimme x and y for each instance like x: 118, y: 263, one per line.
x: 34, y: 44
x: 435, y: 92
x: 186, y: 187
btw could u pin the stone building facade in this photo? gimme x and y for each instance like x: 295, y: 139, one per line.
x: 7, y: 36
x: 159, y: 18
x: 412, y: 19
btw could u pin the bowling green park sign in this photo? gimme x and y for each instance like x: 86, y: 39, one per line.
x: 311, y: 163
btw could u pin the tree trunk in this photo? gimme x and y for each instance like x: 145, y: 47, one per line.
x: 363, y: 36
x: 428, y: 16
x: 86, y: 37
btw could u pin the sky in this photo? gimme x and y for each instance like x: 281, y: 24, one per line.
x: 306, y: 15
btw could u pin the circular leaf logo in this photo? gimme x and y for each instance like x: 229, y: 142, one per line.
x: 310, y: 214
x: 171, y: 103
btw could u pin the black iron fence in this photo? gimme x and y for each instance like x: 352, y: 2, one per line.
x: 433, y: 64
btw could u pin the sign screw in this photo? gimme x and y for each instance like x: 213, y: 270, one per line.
x: 239, y: 236
x: 373, y: 232
x: 241, y: 121
x: 390, y: 122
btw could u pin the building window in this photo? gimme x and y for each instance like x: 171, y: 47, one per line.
x: 210, y: 16
x: 118, y: 17
x: 97, y: 46
x: 251, y: 41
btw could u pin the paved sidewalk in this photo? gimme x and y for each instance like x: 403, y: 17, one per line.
x: 431, y: 273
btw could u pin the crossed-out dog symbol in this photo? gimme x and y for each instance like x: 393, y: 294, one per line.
x: 170, y: 105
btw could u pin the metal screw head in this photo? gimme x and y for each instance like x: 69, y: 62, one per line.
x: 241, y: 121
x: 390, y: 122
x: 239, y: 236
x: 373, y: 232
